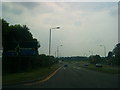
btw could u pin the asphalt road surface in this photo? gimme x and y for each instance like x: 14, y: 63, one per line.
x: 76, y: 77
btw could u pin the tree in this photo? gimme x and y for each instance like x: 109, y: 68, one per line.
x: 5, y: 31
x: 110, y: 54
x: 21, y: 33
x: 116, y: 52
x: 95, y: 59
x: 12, y: 34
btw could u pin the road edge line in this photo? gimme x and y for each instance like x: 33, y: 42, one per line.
x: 45, y: 79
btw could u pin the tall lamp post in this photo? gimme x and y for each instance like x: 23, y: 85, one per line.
x: 91, y: 52
x: 58, y: 50
x: 50, y: 39
x: 104, y: 49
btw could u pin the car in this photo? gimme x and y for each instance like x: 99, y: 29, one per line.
x: 99, y: 65
x: 65, y: 65
x: 85, y: 64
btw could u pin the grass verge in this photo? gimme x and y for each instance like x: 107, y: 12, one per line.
x: 33, y: 75
x: 105, y: 68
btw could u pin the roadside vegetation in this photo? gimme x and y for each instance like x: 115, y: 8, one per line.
x: 21, y: 60
x: 26, y: 63
x: 105, y: 68
x: 33, y: 75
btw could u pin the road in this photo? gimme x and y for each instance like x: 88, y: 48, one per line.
x: 76, y: 77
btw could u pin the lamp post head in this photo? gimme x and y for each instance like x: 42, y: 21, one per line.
x: 58, y: 27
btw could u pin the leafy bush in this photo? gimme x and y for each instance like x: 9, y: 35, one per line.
x: 25, y: 63
x: 95, y: 59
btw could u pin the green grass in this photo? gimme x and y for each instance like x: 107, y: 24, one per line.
x: 105, y: 68
x: 26, y: 76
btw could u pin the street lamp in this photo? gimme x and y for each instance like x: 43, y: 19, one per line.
x: 104, y: 49
x: 58, y: 50
x: 55, y: 54
x: 50, y: 39
x: 91, y: 52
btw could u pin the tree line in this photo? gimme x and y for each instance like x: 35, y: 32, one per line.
x: 113, y: 57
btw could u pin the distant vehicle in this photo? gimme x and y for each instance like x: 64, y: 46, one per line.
x: 65, y: 65
x: 99, y: 65
x: 85, y: 64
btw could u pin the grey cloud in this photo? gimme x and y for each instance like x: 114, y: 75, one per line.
x: 80, y: 29
x: 119, y: 22
x: 113, y: 13
x: 6, y: 7
x: 92, y: 6
x: 14, y: 7
x: 0, y: 10
x: 28, y: 5
x: 77, y: 23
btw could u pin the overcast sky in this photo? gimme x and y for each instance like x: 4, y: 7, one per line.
x: 84, y: 25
